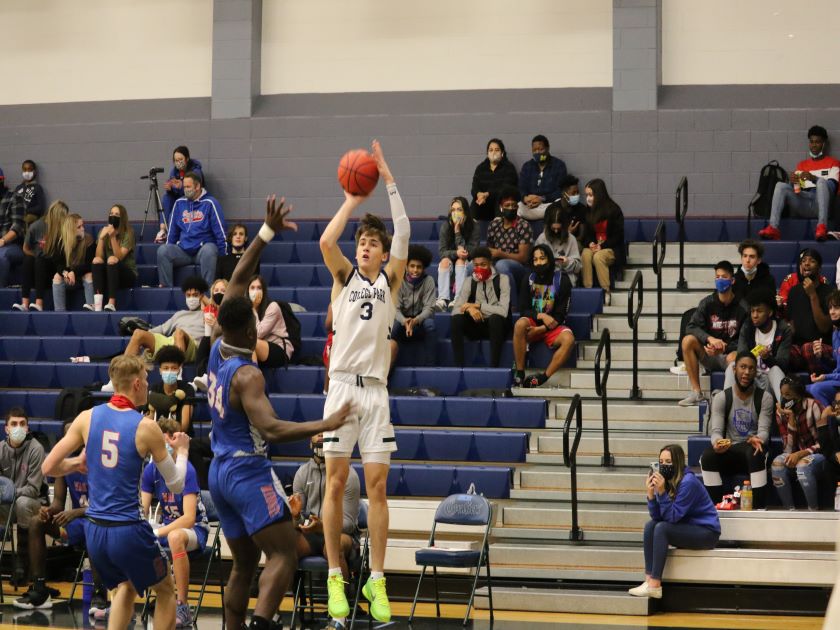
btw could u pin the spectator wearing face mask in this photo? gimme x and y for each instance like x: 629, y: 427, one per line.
x: 539, y: 180
x: 173, y: 187
x: 12, y: 230
x: 196, y: 233
x: 30, y: 193
x: 67, y: 261
x: 458, y: 238
x: 170, y: 361
x: 184, y: 329
x: 807, y: 313
x: 114, y: 266
x: 415, y: 322
x: 603, y: 236
x: 571, y: 202
x: 823, y: 386
x: 274, y: 347
x: 237, y: 239
x: 754, y: 275
x: 557, y: 235
x: 491, y: 176
x: 210, y: 308
x: 509, y: 239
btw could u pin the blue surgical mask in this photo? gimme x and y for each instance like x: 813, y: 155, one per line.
x: 722, y: 285
x: 17, y: 434
x: 168, y: 377
x: 574, y: 200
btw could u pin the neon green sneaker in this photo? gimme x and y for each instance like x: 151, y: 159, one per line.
x: 337, y: 604
x: 374, y: 592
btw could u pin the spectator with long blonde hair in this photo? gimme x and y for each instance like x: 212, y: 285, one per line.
x: 45, y: 230
x: 68, y: 259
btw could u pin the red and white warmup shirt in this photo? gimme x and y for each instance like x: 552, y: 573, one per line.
x: 826, y: 166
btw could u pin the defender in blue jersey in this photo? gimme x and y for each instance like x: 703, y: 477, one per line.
x: 120, y: 543
x: 249, y: 499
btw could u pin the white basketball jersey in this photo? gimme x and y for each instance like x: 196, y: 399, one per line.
x: 363, y: 314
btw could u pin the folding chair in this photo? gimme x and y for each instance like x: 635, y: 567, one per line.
x: 7, y: 498
x: 464, y: 510
x: 79, y: 577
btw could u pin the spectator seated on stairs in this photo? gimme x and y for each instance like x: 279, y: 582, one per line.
x: 807, y: 312
x: 237, y: 239
x: 754, y: 275
x: 681, y: 514
x: 711, y: 338
x: 796, y: 417
x: 823, y: 386
x: 603, y: 236
x: 828, y: 437
x: 562, y: 242
x: 740, y: 430
x: 768, y: 338
x: 12, y: 230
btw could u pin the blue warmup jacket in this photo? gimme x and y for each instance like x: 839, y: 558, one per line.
x: 691, y: 505
x: 195, y: 223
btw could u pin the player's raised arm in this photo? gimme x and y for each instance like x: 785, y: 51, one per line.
x: 152, y: 440
x: 250, y: 384
x: 334, y: 259
x: 395, y: 269
x: 58, y: 463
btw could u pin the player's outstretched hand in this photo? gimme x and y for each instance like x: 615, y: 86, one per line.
x: 337, y: 419
x: 81, y: 463
x: 276, y: 213
x: 381, y: 164
x: 178, y: 441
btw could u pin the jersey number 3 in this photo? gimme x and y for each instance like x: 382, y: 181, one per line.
x: 110, y: 452
x: 214, y: 395
x: 367, y: 307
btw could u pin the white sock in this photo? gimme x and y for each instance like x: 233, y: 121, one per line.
x: 376, y: 575
x: 341, y: 620
x: 334, y: 572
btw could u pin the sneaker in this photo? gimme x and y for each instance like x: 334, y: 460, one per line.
x: 200, y: 383
x: 110, y: 307
x: 183, y: 616
x: 100, y: 614
x: 441, y: 305
x: 334, y: 624
x: 374, y: 592
x: 160, y: 237
x: 88, y: 307
x: 517, y: 380
x: 36, y: 597
x: 834, y: 235
x: 337, y: 605
x: 535, y: 380
x: 23, y: 308
x: 99, y: 602
x: 35, y: 307
x: 607, y: 298
x: 645, y: 590
x: 108, y: 387
x: 821, y: 233
x: 694, y: 398
x: 770, y: 233
x: 678, y: 370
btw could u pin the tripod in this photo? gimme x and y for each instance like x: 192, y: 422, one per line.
x: 154, y: 198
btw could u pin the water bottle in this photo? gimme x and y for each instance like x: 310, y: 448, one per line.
x: 837, y: 498
x: 747, y: 496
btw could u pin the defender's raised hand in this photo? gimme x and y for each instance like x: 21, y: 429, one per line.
x: 276, y: 213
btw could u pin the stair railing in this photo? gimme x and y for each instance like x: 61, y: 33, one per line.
x: 604, y: 346
x: 658, y: 259
x: 633, y: 321
x: 570, y: 460
x: 681, y: 210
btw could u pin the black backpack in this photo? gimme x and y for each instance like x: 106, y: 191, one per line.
x: 684, y: 321
x: 129, y: 324
x: 292, y: 327
x: 71, y: 402
x: 771, y: 174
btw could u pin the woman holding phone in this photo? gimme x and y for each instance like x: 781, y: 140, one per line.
x: 681, y: 514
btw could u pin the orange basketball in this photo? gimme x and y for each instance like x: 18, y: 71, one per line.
x: 357, y: 172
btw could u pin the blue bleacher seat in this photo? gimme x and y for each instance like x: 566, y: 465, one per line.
x: 313, y: 298
x: 702, y: 230
x: 60, y: 349
x: 300, y: 380
x: 7, y: 374
x: 310, y: 252
x: 15, y: 323
x: 500, y: 446
x: 104, y: 346
x: 311, y: 407
x: 87, y: 324
x: 445, y: 380
x: 41, y: 404
x: 410, y: 445
x: 292, y: 276
x: 426, y: 480
x: 587, y: 301
x: 41, y: 375
x: 322, y: 276
x: 279, y: 253
x: 44, y: 324
x: 393, y: 483
x: 512, y: 412
x: 499, y: 378
x: 469, y: 412
x: 780, y: 252
x: 155, y: 299
x: 410, y: 410
x: 448, y: 445
x: 491, y: 481
x: 21, y: 348
x: 17, y: 398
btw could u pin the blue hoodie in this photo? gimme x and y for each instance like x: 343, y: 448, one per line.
x: 691, y: 505
x: 197, y: 222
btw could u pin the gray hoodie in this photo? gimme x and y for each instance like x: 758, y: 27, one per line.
x: 23, y: 466
x: 416, y: 301
x: 485, y: 295
x: 310, y: 481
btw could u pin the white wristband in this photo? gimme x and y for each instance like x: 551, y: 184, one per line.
x: 266, y: 233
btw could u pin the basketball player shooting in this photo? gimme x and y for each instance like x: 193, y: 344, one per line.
x: 248, y: 496
x: 364, y: 306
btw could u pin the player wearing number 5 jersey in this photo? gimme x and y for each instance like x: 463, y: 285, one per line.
x: 117, y: 438
x: 250, y: 501
x: 364, y: 306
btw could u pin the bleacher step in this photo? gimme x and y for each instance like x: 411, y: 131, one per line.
x: 612, y: 524
x: 623, y: 351
x: 693, y: 252
x: 552, y: 478
x: 672, y: 300
x: 620, y: 444
x: 697, y: 277
x: 613, y: 602
x: 627, y: 364
x: 632, y: 410
x: 567, y: 561
x: 647, y: 325
x: 615, y: 393
x: 593, y: 459
x: 623, y: 379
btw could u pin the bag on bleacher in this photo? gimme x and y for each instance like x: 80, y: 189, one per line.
x: 423, y: 392
x: 771, y: 174
x: 481, y: 392
x: 129, y: 324
x: 292, y: 327
x: 71, y: 402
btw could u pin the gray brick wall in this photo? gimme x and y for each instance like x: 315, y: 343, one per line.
x: 92, y: 154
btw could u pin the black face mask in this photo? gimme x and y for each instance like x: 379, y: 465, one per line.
x: 666, y: 470
x: 787, y: 403
x: 558, y: 234
x: 115, y: 221
x: 218, y: 297
x: 317, y: 450
x: 510, y: 215
x: 543, y: 270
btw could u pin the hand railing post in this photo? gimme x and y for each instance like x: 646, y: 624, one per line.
x: 681, y: 210
x: 637, y: 291
x: 658, y: 258
x: 570, y: 460
x: 601, y: 390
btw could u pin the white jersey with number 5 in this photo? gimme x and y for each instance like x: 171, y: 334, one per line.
x: 363, y: 314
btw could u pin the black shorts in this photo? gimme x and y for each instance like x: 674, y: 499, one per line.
x: 316, y: 543
x: 276, y: 357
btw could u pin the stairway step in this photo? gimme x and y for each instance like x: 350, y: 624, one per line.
x: 697, y: 277
x: 623, y: 379
x: 631, y: 410
x: 627, y: 364
x: 693, y: 253
x: 616, y: 393
x: 619, y: 444
x: 608, y: 602
x: 613, y: 524
x: 593, y: 424
x: 552, y: 478
x: 607, y: 498
x: 618, y: 323
x: 539, y: 554
x: 623, y: 351
x: 672, y: 299
x: 590, y: 459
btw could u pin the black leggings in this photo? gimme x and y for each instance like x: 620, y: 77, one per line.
x: 493, y: 328
x: 45, y: 269
x: 27, y: 280
x: 740, y: 458
x: 108, y: 279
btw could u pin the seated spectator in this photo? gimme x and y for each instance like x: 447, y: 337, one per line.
x: 173, y: 187
x: 415, y: 322
x: 768, y: 338
x: 563, y: 244
x: 807, y: 262
x: 823, y: 386
x: 30, y: 193
x: 21, y: 456
x: 807, y: 313
x: 210, y: 308
x: 811, y: 190
x: 740, y: 429
x: 183, y: 527
x: 114, y: 266
x: 170, y: 360
x: 237, y: 239
x: 43, y: 232
x: 828, y: 438
x: 796, y: 417
x: 482, y: 308
x: 509, y: 240
x: 12, y: 230
x: 711, y: 337
x: 603, y: 236
x: 196, y: 234
x: 71, y: 263
x: 457, y: 240
x: 274, y: 346
x: 539, y: 180
x: 491, y: 176
x: 754, y: 275
x: 543, y: 304
x: 570, y: 202
x: 681, y: 515
x: 183, y: 330
x: 60, y: 524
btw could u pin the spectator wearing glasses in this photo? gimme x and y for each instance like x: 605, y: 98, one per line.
x: 823, y: 386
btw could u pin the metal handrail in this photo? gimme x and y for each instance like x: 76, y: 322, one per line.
x: 659, y: 244
x: 681, y: 204
x: 601, y: 390
x: 633, y: 322
x: 570, y: 460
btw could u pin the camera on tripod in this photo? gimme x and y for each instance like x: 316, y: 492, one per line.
x: 153, y: 173
x: 154, y: 200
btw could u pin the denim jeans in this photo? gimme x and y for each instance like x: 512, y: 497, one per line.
x: 424, y: 336
x: 59, y: 291
x: 809, y: 203
x: 515, y: 271
x: 445, y: 280
x: 10, y: 254
x: 170, y: 257
x: 808, y: 471
x: 659, y: 534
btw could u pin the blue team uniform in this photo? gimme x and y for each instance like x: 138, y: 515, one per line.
x: 120, y: 542
x: 247, y: 494
x: 172, y: 505
x: 77, y: 487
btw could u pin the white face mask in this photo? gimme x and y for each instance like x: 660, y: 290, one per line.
x: 28, y: 176
x: 254, y: 294
x: 17, y: 434
x: 193, y: 303
x: 180, y: 165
